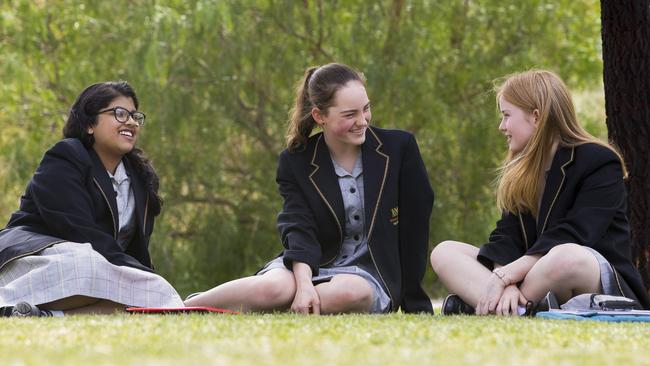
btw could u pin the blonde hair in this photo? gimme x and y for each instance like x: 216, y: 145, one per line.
x: 518, y: 182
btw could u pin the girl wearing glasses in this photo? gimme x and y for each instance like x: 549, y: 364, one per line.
x: 79, y: 241
x: 355, y: 219
x: 564, y: 227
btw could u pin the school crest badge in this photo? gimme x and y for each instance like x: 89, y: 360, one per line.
x: 394, y: 215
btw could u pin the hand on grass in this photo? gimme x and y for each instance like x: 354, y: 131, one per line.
x: 306, y: 300
x: 510, y: 300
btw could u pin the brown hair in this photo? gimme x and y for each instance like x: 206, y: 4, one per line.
x: 316, y: 89
x: 518, y: 184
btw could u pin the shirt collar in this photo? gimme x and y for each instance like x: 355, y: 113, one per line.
x: 356, y: 171
x: 120, y: 174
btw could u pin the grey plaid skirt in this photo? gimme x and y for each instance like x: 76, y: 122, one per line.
x: 67, y: 269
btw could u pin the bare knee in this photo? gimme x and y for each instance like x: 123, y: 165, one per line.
x: 357, y: 297
x: 276, y: 290
x: 566, y: 262
x: 443, y: 252
x: 353, y: 294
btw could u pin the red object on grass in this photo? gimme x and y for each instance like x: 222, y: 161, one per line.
x: 189, y: 309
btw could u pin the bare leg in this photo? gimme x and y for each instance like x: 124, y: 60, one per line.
x: 273, y: 290
x: 567, y: 270
x: 76, y: 305
x: 461, y: 273
x: 345, y: 293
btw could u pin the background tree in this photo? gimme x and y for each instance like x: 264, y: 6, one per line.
x: 216, y: 79
x: 626, y: 55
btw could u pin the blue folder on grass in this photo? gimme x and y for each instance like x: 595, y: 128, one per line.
x: 598, y: 315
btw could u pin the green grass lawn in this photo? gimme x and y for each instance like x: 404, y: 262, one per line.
x: 287, y: 339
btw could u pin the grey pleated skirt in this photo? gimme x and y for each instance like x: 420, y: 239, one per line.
x: 67, y: 269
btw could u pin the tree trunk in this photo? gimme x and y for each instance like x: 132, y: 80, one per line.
x: 626, y: 57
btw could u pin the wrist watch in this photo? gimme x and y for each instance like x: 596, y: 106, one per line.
x: 499, y: 273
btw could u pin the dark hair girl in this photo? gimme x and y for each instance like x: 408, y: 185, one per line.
x: 79, y: 241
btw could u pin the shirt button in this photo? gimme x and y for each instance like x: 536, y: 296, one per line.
x: 356, y: 217
x: 352, y: 190
x: 356, y: 237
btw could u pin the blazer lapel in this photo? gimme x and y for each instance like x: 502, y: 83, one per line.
x: 104, y: 184
x: 375, y: 169
x: 138, y: 192
x: 528, y: 228
x: 554, y: 182
x: 326, y: 183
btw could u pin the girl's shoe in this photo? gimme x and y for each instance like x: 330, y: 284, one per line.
x: 25, y: 309
x: 6, y: 311
x: 454, y: 305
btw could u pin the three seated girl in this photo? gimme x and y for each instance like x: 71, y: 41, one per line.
x: 355, y: 219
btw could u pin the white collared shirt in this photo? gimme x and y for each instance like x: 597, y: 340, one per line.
x: 125, y: 204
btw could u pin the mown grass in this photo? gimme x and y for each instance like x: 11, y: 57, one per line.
x: 286, y: 339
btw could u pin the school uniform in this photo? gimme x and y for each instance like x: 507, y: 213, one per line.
x: 392, y: 201
x: 81, y: 231
x: 584, y: 202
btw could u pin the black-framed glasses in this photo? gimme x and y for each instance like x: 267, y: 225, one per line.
x: 122, y: 115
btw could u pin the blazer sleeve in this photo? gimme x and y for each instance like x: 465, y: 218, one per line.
x: 415, y: 204
x: 296, y: 223
x: 505, y: 243
x: 601, y: 194
x: 60, y: 193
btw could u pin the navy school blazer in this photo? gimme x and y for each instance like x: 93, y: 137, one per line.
x: 397, y: 200
x: 71, y: 198
x: 584, y: 202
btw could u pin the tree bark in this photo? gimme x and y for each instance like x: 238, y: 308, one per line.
x: 626, y: 57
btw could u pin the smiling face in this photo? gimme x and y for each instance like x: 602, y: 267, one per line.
x: 346, y: 121
x: 114, y: 139
x: 516, y: 124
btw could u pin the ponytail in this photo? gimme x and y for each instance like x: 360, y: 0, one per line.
x: 301, y: 122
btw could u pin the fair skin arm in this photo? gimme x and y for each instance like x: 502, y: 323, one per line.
x: 307, y: 300
x: 495, y: 293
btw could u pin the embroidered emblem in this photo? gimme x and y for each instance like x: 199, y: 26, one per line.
x: 394, y: 215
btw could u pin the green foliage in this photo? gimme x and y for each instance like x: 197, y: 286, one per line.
x: 286, y: 339
x: 216, y: 79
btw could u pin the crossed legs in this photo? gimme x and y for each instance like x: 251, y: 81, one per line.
x: 567, y: 270
x: 275, y: 290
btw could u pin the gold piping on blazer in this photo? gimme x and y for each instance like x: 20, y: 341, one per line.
x: 374, y: 214
x: 559, y: 188
x: 144, y: 222
x: 311, y: 179
x: 523, y: 230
